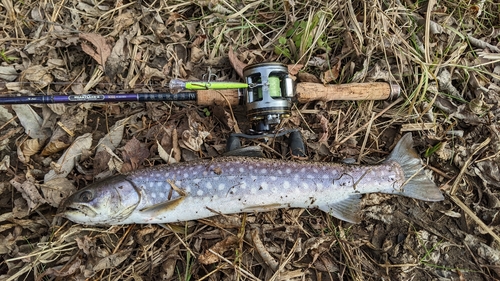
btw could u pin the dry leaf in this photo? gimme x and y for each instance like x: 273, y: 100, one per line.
x: 112, y: 261
x: 5, y: 116
x: 118, y: 59
x: 220, y: 247
x: 30, y: 147
x: 100, y: 49
x: 5, y: 164
x: 165, y: 155
x: 53, y: 147
x: 236, y: 63
x: 29, y: 192
x: 68, y: 160
x: 134, y: 153
x: 307, y: 77
x: 113, y: 138
x: 121, y: 22
x: 293, y: 69
x: 196, y: 54
x: 8, y: 73
x: 55, y: 190
x: 38, y: 75
x: 331, y: 74
x: 30, y: 120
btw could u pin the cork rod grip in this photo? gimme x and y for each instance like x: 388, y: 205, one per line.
x: 216, y: 97
x: 307, y: 92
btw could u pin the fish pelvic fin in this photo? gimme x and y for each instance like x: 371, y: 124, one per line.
x: 346, y: 209
x: 417, y: 184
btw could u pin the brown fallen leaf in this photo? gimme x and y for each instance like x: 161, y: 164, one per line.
x: 220, y: 247
x: 100, y: 49
x: 38, y: 75
x: 53, y: 147
x: 293, y: 69
x: 67, y: 162
x: 133, y: 154
x: 307, y: 77
x: 236, y: 63
x: 112, y: 261
x: 29, y: 192
x: 55, y: 190
x: 331, y: 74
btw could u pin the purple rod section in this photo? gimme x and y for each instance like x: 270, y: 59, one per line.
x: 140, y: 97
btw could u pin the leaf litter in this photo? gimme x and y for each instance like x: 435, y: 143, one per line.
x: 444, y: 56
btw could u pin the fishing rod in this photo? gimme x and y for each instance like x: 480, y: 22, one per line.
x: 267, y: 93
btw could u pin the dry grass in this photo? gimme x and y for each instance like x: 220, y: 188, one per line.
x: 444, y: 55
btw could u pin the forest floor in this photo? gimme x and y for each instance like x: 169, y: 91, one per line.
x: 445, y: 55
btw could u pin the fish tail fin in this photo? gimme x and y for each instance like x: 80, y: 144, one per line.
x: 417, y: 184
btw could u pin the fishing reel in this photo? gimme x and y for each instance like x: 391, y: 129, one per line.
x: 268, y: 98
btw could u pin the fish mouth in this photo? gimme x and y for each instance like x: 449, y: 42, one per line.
x: 76, y: 209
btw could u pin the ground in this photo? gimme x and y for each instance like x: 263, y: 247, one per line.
x: 444, y: 55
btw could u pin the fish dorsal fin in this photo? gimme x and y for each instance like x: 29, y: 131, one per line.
x: 346, y: 209
x: 162, y: 207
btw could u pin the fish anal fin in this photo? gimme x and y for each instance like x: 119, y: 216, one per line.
x: 346, y: 209
x: 262, y: 208
x: 162, y: 207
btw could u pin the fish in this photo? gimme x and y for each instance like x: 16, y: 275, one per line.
x: 227, y: 185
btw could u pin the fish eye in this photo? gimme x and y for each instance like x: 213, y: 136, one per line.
x: 85, y: 196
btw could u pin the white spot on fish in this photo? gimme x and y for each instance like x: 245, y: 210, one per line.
x: 325, y: 176
x: 153, y: 195
x: 263, y: 171
x: 162, y: 194
x: 188, y: 189
x: 280, y: 172
x: 253, y: 191
x: 264, y: 185
x: 250, y: 167
x: 296, y: 177
x: 310, y: 176
x: 274, y: 189
x: 286, y: 184
x: 186, y: 175
x: 288, y: 170
x: 196, y: 181
x: 243, y: 185
x: 303, y: 170
x: 178, y: 183
x: 222, y: 186
x: 319, y: 185
x: 305, y: 185
x: 315, y: 170
x: 241, y: 170
x: 205, y: 173
x: 254, y: 178
x: 199, y: 192
x: 208, y: 185
x: 167, y: 175
x: 273, y: 178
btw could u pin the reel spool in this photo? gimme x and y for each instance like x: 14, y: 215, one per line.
x: 269, y: 95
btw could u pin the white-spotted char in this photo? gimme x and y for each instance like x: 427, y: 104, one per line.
x: 228, y: 185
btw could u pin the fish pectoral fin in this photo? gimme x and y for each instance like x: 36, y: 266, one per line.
x: 346, y: 209
x: 262, y: 208
x: 162, y: 207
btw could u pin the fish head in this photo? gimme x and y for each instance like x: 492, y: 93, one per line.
x: 105, y: 202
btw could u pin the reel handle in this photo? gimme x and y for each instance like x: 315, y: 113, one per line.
x: 216, y: 97
x: 306, y: 92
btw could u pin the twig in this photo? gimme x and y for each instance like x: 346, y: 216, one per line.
x: 366, y: 124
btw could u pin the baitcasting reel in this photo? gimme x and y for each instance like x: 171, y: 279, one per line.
x: 268, y: 97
